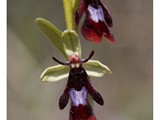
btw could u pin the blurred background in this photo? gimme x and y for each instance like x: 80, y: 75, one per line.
x: 127, y: 92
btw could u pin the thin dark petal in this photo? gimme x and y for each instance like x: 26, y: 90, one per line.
x: 107, y: 15
x: 97, y: 97
x: 81, y: 9
x: 64, y: 98
x: 94, y: 94
x: 63, y: 101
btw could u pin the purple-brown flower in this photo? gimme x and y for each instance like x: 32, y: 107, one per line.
x: 77, y: 90
x: 97, y: 21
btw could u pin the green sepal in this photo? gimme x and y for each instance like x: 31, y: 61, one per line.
x: 55, y: 73
x: 71, y: 43
x: 96, y: 69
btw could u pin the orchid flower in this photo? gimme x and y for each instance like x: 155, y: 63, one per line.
x: 97, y: 21
x: 78, y: 89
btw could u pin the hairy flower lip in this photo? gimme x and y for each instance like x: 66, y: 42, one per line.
x: 97, y: 21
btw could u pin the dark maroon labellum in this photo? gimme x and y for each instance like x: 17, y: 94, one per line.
x: 97, y: 21
x: 77, y: 89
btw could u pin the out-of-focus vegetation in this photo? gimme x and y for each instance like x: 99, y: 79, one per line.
x: 127, y: 92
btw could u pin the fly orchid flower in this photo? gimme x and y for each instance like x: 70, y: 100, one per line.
x: 77, y: 89
x: 97, y: 21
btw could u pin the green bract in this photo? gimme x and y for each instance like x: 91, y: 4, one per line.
x: 93, y: 68
x: 52, y: 32
x: 67, y: 42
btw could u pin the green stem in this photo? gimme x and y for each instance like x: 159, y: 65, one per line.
x: 75, y: 5
x: 69, y: 15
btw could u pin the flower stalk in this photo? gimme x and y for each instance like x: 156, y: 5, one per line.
x: 69, y: 14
